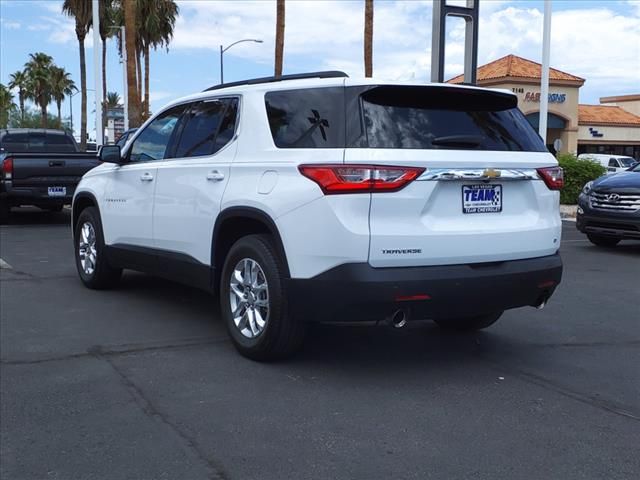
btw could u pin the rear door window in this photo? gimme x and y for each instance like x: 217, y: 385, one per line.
x: 208, y: 126
x: 307, y: 118
x: 408, y: 117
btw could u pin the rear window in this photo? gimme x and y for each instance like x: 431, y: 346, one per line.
x: 405, y: 117
x: 15, y: 142
x: 307, y: 118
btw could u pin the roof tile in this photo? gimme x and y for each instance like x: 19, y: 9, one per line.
x: 606, y: 115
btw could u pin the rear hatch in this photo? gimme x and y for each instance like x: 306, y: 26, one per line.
x: 480, y: 197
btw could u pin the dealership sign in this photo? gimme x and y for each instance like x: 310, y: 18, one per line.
x: 553, y: 97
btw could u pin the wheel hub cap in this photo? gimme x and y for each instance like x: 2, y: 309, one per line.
x: 249, y: 298
x: 87, y: 251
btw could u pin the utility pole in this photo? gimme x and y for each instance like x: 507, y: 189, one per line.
x: 125, y: 90
x: 544, y: 85
x: 96, y: 73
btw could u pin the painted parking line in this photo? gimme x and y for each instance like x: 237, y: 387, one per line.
x: 4, y: 264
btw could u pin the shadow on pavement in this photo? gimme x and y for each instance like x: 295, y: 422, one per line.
x: 36, y: 216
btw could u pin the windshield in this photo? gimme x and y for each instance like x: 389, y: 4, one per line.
x: 636, y: 168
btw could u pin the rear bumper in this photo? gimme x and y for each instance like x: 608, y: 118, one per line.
x: 34, y: 195
x: 359, y: 292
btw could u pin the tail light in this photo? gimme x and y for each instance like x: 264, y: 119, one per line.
x: 553, y: 177
x: 7, y: 168
x: 340, y: 178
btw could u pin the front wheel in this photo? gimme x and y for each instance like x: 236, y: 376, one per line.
x: 253, y: 301
x: 466, y: 324
x: 603, y: 241
x: 92, y: 264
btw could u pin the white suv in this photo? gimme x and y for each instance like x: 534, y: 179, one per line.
x: 321, y: 198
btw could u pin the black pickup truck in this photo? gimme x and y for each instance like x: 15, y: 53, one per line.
x: 40, y: 167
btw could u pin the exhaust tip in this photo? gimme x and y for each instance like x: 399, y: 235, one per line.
x: 398, y: 319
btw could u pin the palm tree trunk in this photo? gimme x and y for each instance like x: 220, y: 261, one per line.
x: 279, y: 37
x: 146, y: 82
x: 21, y: 97
x: 43, y: 115
x: 368, y: 38
x: 130, y: 46
x: 83, y: 96
x: 104, y: 84
x: 139, y: 73
x: 59, y: 104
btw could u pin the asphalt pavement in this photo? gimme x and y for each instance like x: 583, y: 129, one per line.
x: 141, y: 382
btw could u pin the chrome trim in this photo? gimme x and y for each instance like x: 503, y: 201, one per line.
x: 483, y: 174
x: 627, y: 202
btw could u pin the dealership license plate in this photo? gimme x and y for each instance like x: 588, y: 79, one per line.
x: 57, y: 191
x: 482, y: 198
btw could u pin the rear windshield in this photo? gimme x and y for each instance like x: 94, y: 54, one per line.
x: 37, y: 142
x: 399, y: 117
x: 443, y: 118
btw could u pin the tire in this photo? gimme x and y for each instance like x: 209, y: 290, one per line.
x: 469, y: 324
x: 5, y: 211
x: 603, y: 241
x: 97, y: 273
x: 261, y: 297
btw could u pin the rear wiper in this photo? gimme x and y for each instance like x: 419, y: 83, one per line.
x: 458, y: 140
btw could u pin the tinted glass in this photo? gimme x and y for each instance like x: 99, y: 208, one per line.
x: 152, y: 142
x: 307, y: 118
x: 613, y: 162
x: 59, y: 143
x: 123, y: 139
x: 438, y: 118
x: 36, y: 142
x: 228, y: 126
x: 15, y: 142
x: 202, y: 123
x: 627, y: 161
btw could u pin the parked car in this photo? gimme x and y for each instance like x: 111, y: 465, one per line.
x: 317, y: 198
x: 125, y: 136
x: 40, y: 167
x: 609, y: 208
x: 613, y: 163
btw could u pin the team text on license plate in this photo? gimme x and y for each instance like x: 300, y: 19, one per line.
x: 57, y: 191
x: 482, y: 198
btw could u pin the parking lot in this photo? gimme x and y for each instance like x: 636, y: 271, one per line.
x: 142, y: 382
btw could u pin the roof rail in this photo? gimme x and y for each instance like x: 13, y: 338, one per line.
x: 295, y: 76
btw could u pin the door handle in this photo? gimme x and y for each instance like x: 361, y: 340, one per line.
x: 215, y: 176
x: 146, y: 177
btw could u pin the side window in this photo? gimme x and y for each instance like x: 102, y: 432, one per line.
x: 202, y: 124
x: 613, y: 162
x: 307, y: 118
x: 228, y: 125
x: 152, y: 142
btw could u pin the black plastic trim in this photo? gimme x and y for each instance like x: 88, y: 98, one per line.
x: 359, y: 292
x: 295, y: 76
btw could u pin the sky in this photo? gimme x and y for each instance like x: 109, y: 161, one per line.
x: 598, y: 40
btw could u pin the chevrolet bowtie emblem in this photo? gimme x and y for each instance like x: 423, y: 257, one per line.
x: 491, y: 173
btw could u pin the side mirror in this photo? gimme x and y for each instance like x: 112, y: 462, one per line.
x: 110, y: 154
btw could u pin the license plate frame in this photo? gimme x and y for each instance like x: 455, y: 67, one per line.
x: 489, y: 201
x: 57, y: 191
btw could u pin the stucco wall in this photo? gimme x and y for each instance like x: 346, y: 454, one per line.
x: 609, y: 134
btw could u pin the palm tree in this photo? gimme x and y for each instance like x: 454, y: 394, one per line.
x: 368, y: 38
x: 130, y: 46
x: 81, y: 10
x: 113, y: 99
x: 19, y: 80
x: 61, y: 86
x: 38, y: 70
x: 109, y: 18
x: 279, y: 37
x: 6, y: 105
x: 157, y: 19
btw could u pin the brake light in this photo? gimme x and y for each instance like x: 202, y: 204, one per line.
x: 7, y: 168
x: 340, y: 178
x: 552, y: 176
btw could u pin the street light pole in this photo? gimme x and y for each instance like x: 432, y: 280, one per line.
x: 224, y: 49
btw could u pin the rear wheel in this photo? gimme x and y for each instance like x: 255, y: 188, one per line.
x: 603, y: 241
x: 91, y: 261
x: 253, y: 301
x: 466, y: 324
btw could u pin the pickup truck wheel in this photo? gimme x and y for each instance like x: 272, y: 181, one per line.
x: 466, y: 324
x: 5, y: 210
x: 603, y: 241
x: 91, y: 261
x: 254, y: 303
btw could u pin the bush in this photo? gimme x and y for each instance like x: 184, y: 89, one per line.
x: 576, y: 174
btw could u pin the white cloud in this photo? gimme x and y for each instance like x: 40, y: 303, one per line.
x: 10, y: 25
